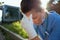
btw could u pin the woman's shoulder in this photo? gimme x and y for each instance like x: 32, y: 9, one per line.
x: 53, y: 18
x: 54, y: 14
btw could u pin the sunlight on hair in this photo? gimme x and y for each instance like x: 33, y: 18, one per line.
x: 44, y: 3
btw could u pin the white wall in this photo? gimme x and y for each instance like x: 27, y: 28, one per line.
x: 12, y: 2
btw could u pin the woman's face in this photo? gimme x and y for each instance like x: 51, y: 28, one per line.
x: 37, y: 17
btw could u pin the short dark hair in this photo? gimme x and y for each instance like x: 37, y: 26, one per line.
x: 26, y: 5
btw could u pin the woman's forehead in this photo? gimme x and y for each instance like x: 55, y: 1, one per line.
x: 37, y: 9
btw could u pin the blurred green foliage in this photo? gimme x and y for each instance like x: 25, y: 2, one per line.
x: 16, y: 28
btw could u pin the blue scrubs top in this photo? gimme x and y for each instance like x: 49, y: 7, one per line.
x: 50, y: 28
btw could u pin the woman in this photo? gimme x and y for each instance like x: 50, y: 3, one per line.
x: 39, y: 25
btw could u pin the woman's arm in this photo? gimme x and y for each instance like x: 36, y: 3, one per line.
x: 28, y: 26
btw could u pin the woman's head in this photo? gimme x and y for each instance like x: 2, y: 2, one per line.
x: 32, y: 7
